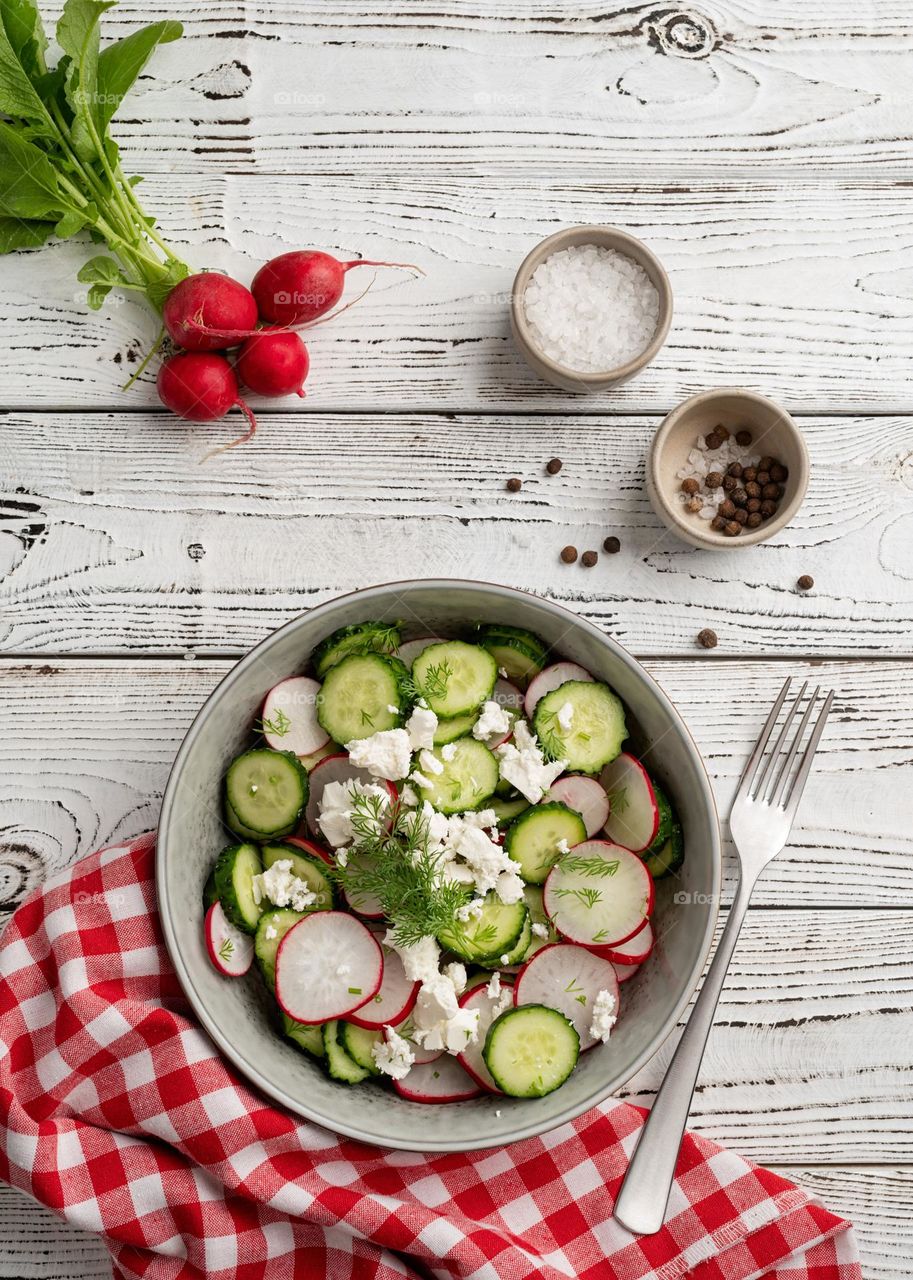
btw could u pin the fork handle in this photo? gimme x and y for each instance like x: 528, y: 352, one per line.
x: 644, y: 1194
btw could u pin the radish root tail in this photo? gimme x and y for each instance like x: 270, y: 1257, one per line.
x: 248, y: 435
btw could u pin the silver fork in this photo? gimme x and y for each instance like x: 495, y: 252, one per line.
x: 761, y: 819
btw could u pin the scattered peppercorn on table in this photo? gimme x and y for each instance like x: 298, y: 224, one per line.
x: 132, y: 577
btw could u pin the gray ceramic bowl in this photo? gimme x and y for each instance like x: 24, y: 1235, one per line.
x: 560, y: 375
x: 237, y: 1013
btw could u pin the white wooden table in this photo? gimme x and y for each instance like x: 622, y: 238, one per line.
x: 763, y: 150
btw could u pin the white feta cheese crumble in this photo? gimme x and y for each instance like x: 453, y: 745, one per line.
x: 271, y: 932
x: 491, y: 867
x: 448, y: 751
x: 343, y: 970
x: 493, y: 722
x: 282, y: 888
x: 420, y: 959
x: 604, y: 1015
x: 562, y: 846
x: 565, y: 716
x: 429, y: 763
x: 408, y: 797
x: 420, y: 780
x: 335, y: 817
x: 440, y: 1023
x: 392, y: 1055
x: 394, y: 711
x: 386, y: 754
x: 456, y: 972
x: 522, y: 764
x: 470, y: 910
x: 493, y: 990
x: 420, y: 727
x: 540, y: 930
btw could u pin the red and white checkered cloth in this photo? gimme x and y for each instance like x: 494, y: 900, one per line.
x: 119, y: 1114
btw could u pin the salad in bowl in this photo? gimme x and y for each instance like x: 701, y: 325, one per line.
x: 442, y: 860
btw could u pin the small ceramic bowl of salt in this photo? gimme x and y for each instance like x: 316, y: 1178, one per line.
x: 591, y: 307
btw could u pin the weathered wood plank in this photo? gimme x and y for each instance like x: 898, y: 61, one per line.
x: 36, y: 1245
x: 801, y: 290
x: 651, y: 93
x: 87, y: 746
x: 113, y: 539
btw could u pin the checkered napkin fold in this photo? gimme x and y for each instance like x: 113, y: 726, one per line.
x: 117, y: 1112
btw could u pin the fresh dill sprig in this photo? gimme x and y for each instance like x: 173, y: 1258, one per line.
x: 586, y: 897
x: 434, y: 683
x: 550, y: 740
x: 393, y: 861
x: 594, y: 867
x: 279, y: 724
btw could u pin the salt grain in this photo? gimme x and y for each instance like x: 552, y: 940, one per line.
x: 591, y: 309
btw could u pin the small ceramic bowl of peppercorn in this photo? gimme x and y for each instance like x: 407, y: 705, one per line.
x: 727, y: 469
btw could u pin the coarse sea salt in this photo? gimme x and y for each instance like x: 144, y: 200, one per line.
x: 591, y: 309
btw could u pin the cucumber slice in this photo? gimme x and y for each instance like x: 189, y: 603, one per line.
x: 209, y: 890
x: 271, y: 929
x: 517, y: 953
x: 666, y: 820
x: 234, y: 872
x: 520, y: 654
x: 358, y: 1043
x: 357, y: 695
x: 596, y: 725
x: 455, y: 727
x: 266, y: 791
x: 453, y: 677
x: 531, y: 1051
x: 313, y: 871
x: 237, y: 827
x: 361, y: 637
x: 506, y: 808
x: 464, y: 782
x: 308, y: 1038
x: 532, y: 839
x: 488, y: 936
x: 339, y: 1064
x: 669, y: 858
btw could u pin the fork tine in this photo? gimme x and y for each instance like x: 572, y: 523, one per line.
x: 750, y: 769
x: 767, y: 767
x: 791, y: 801
x: 778, y: 790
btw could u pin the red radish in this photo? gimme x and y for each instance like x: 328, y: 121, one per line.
x: 230, y: 950
x: 308, y: 846
x: 550, y: 678
x: 363, y: 904
x: 329, y: 749
x: 599, y: 894
x: 586, y: 796
x: 337, y: 768
x: 289, y: 717
x: 327, y: 969
x: 202, y: 312
x: 409, y: 651
x: 633, y: 811
x: 624, y: 971
x: 507, y: 695
x: 202, y: 387
x: 567, y: 978
x: 395, y: 999
x: 489, y: 1008
x: 635, y: 951
x: 300, y: 286
x: 273, y: 364
x: 443, y: 1080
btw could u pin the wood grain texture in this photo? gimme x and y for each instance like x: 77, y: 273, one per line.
x: 87, y: 746
x: 36, y: 1245
x: 802, y: 290
x: 114, y: 540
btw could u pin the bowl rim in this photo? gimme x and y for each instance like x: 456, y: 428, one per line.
x: 688, y: 530
x: 642, y: 254
x: 339, y: 1125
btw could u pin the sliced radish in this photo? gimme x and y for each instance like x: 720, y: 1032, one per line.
x: 567, y: 978
x: 308, y: 846
x: 410, y: 649
x: 420, y: 1056
x: 635, y: 951
x: 550, y: 678
x: 338, y: 768
x: 363, y: 904
x: 471, y: 1057
x: 624, y: 971
x: 440, y: 1081
x: 586, y: 796
x: 599, y: 894
x: 507, y: 695
x: 230, y: 950
x: 394, y: 999
x: 633, y: 811
x: 290, y: 717
x: 327, y: 965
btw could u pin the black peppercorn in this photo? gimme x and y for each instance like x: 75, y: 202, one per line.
x: 753, y: 520
x: 778, y: 472
x: 589, y: 558
x: 553, y: 466
x: 739, y: 497
x: 569, y: 554
x: 734, y: 469
x: 740, y: 516
x: 713, y: 440
x: 612, y: 545
x: 750, y: 473
x: 730, y: 483
x: 733, y: 529
x: 727, y: 508
x: 806, y: 582
x: 768, y: 508
x: 753, y: 506
x: 713, y: 479
x: 718, y: 523
x: 515, y: 484
x: 690, y: 486
x: 772, y: 491
x: 753, y: 489
x: 707, y: 639
x: 743, y: 438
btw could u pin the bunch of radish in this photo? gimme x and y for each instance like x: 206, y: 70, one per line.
x: 209, y: 314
